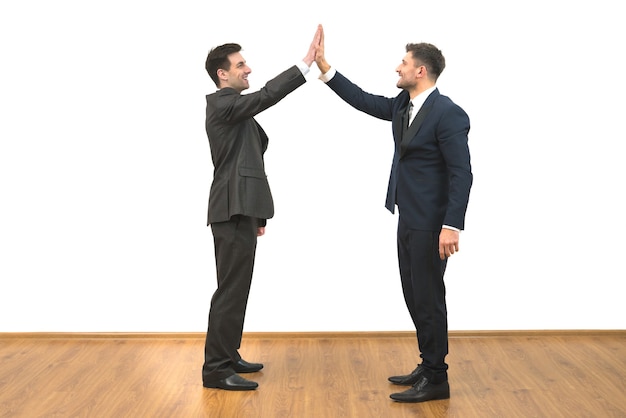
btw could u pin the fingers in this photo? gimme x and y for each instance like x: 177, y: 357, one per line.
x: 317, y: 37
x: 448, y: 243
x: 446, y: 251
x: 314, y: 47
x: 320, y: 48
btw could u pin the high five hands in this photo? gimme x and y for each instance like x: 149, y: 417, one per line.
x: 313, y: 48
x: 320, y: 59
x: 316, y: 51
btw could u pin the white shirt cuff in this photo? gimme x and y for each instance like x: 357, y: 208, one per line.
x: 328, y: 76
x: 304, y: 69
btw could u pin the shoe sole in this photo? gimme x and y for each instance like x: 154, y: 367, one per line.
x: 234, y: 388
x: 247, y: 370
x: 436, y: 398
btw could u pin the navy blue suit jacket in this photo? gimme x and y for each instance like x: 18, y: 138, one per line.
x: 431, y: 174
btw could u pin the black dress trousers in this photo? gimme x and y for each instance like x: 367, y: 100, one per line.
x: 235, y: 248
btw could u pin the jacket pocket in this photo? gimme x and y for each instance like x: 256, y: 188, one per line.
x: 252, y: 172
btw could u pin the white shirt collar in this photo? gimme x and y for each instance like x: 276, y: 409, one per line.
x: 419, y: 100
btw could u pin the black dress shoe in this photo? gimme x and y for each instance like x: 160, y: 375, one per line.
x: 243, y: 366
x: 423, y: 391
x: 232, y: 382
x: 407, y: 379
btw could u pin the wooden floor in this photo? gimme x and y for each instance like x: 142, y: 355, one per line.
x: 518, y: 374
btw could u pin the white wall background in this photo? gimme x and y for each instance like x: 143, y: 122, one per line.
x: 105, y: 165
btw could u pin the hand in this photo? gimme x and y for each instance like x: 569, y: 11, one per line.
x: 310, y: 56
x: 448, y: 242
x: 320, y: 59
x: 260, y: 231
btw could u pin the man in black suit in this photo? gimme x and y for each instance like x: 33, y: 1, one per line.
x: 430, y: 184
x: 240, y: 201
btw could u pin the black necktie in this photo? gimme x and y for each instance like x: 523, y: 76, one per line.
x: 409, y: 113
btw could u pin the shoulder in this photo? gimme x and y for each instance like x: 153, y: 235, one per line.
x: 443, y: 100
x: 227, y: 91
x: 222, y: 97
x: 445, y: 103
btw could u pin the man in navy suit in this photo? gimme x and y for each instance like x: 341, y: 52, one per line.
x: 240, y: 201
x: 430, y: 184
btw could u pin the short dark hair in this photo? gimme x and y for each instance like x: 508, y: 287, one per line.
x: 429, y: 56
x: 218, y: 59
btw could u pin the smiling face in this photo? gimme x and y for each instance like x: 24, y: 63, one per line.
x: 409, y: 73
x: 236, y: 76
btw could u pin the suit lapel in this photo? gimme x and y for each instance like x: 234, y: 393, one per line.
x: 398, y: 125
x: 409, y: 133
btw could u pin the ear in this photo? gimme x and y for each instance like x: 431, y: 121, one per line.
x: 421, y: 72
x: 222, y: 74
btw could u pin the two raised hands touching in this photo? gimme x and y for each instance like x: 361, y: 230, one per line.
x: 311, y: 54
x: 316, y: 51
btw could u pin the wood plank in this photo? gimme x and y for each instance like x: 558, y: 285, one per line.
x: 568, y: 374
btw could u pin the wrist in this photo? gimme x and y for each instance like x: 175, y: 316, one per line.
x: 323, y: 66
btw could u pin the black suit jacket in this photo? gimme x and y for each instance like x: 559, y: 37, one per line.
x: 431, y: 175
x: 238, y: 142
